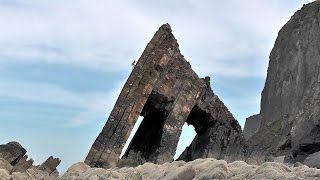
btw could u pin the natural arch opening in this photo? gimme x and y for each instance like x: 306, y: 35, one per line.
x: 187, y: 135
x: 147, y: 138
x: 201, y: 121
x: 133, y: 132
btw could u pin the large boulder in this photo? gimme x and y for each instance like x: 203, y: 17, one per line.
x: 12, y: 152
x: 313, y: 160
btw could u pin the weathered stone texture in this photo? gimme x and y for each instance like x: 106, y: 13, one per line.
x: 164, y: 90
x: 23, y: 164
x: 200, y: 169
x: 290, y: 113
x: 50, y: 165
x: 17, y: 166
x: 251, y: 126
x: 218, y: 133
x: 12, y: 152
x: 313, y: 160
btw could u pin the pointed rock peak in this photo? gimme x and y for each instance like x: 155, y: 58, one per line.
x: 166, y: 27
x: 166, y: 92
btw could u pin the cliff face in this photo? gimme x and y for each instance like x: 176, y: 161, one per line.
x: 167, y: 93
x: 290, y: 113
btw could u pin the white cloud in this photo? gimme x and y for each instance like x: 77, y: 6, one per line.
x: 218, y: 36
x: 108, y: 35
x: 90, y: 33
x: 91, y: 105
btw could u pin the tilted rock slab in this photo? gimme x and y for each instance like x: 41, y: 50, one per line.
x: 167, y: 93
x: 290, y: 113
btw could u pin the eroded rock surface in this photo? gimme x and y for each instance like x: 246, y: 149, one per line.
x: 14, y: 164
x: 23, y: 164
x: 252, y: 126
x: 12, y: 152
x: 199, y: 169
x: 290, y: 113
x: 313, y: 160
x: 50, y: 165
x: 167, y: 93
x: 218, y: 133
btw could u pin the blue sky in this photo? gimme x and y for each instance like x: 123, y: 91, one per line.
x: 63, y: 63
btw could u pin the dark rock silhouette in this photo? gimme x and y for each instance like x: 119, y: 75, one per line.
x: 290, y: 113
x: 167, y: 93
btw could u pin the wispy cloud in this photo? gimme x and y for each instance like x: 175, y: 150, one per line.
x: 91, y: 105
x: 108, y: 35
x: 92, y: 33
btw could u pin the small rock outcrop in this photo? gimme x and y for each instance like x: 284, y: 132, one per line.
x: 23, y: 164
x: 14, y: 164
x: 313, y: 160
x: 290, y: 113
x: 50, y: 166
x: 167, y: 93
x: 251, y: 126
x: 12, y: 152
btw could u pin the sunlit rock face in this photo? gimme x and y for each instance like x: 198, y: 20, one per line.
x: 167, y: 93
x: 290, y: 113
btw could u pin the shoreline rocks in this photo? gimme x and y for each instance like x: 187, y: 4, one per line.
x: 14, y: 164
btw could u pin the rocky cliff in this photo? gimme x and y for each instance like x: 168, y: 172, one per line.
x: 290, y: 113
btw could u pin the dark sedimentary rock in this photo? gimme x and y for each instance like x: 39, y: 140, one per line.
x: 50, y: 165
x: 12, y: 152
x: 14, y: 160
x: 290, y: 113
x: 23, y: 164
x: 252, y: 126
x: 167, y: 93
x: 218, y: 133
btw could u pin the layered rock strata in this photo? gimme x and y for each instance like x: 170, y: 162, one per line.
x: 15, y: 163
x: 167, y: 93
